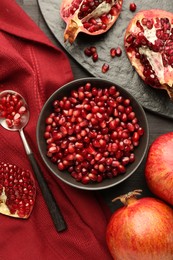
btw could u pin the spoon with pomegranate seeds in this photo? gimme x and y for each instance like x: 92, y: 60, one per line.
x: 14, y: 115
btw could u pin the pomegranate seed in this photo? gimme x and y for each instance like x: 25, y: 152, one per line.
x: 105, y: 68
x: 125, y: 160
x: 61, y: 166
x: 22, y: 110
x: 101, y: 168
x: 49, y: 120
x: 93, y: 49
x: 140, y: 131
x: 99, y: 178
x: 88, y: 52
x: 113, y: 52
x: 79, y: 158
x: 118, y: 51
x: 121, y: 168
x: 95, y: 56
x: 135, y: 137
x: 92, y: 177
x: 130, y: 127
x: 9, y: 122
x: 132, y: 7
x: 132, y: 157
x: 85, y: 179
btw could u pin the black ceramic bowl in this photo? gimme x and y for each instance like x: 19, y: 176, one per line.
x: 64, y: 175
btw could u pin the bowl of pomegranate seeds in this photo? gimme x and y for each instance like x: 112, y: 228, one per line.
x: 92, y: 134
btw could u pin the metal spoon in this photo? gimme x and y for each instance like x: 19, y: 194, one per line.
x: 54, y: 210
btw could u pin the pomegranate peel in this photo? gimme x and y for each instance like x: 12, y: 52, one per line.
x: 149, y: 46
x: 17, y: 191
x: 90, y: 17
x: 141, y: 229
x: 159, y: 176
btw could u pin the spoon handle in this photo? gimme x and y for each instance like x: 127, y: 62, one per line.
x: 48, y: 196
x: 54, y: 209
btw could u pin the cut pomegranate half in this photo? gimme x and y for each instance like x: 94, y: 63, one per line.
x: 149, y: 46
x: 89, y: 16
x: 17, y: 191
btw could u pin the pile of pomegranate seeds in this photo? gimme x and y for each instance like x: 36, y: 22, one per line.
x: 17, y: 191
x: 12, y: 108
x: 92, y: 133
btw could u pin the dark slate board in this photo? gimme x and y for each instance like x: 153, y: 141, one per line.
x: 121, y: 71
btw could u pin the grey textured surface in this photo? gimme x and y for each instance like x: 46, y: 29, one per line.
x: 121, y: 71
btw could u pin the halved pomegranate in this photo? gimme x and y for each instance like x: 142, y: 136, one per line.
x: 17, y: 191
x: 149, y: 46
x: 89, y: 16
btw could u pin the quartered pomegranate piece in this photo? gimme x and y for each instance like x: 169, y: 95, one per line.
x: 17, y: 191
x: 89, y: 16
x: 149, y: 46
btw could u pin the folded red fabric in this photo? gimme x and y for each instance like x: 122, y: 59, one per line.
x: 34, y: 67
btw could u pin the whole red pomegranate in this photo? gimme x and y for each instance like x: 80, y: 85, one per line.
x: 159, y: 167
x: 149, y: 46
x: 89, y: 16
x: 142, y: 229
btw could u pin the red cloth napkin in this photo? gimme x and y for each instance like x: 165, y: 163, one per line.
x: 33, y: 66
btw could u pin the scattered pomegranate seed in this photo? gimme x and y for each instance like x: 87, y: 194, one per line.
x: 93, y: 49
x: 105, y: 68
x: 132, y: 7
x: 118, y: 51
x: 95, y: 56
x: 113, y: 52
x: 87, y: 52
x: 104, y: 132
